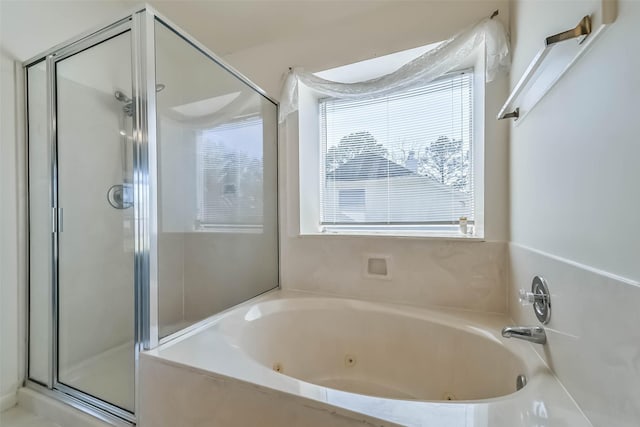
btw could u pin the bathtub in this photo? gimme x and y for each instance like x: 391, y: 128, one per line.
x: 289, y: 358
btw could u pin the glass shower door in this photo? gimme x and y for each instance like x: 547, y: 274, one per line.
x: 95, y: 238
x: 217, y: 192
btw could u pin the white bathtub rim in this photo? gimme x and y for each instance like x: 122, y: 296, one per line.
x: 448, y: 316
x: 398, y: 302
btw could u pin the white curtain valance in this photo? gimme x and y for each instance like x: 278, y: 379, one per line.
x: 446, y: 57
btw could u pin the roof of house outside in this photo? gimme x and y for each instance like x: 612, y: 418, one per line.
x: 366, y: 166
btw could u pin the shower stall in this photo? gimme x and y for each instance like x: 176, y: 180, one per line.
x: 152, y: 195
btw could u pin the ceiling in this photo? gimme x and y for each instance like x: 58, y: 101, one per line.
x: 262, y: 38
x: 29, y: 27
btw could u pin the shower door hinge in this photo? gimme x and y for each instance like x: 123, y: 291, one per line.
x: 56, y: 218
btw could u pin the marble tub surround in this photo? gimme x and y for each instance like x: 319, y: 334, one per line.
x: 206, y: 377
x: 593, y: 335
x: 468, y: 275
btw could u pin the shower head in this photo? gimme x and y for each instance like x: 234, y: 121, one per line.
x: 128, y: 102
x: 128, y: 109
x: 122, y: 97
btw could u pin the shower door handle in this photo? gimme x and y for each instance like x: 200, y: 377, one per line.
x: 57, y: 220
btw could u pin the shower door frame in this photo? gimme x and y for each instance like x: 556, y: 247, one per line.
x: 141, y: 22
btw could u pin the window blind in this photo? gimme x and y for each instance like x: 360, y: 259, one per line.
x: 405, y: 158
x: 230, y: 175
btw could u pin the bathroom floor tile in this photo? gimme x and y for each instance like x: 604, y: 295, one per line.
x: 18, y: 417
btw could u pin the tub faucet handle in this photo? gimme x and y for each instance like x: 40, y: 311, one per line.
x: 539, y: 297
x: 527, y: 298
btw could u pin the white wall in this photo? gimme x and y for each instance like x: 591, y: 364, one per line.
x: 574, y: 201
x: 51, y: 22
x: 10, y: 323
x: 574, y: 159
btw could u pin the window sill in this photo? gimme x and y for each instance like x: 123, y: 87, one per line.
x: 443, y: 236
x: 228, y: 228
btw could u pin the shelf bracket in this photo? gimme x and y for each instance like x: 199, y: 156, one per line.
x: 556, y: 56
x: 512, y: 115
x: 583, y: 29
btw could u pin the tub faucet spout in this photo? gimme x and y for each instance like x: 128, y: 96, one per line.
x: 533, y: 334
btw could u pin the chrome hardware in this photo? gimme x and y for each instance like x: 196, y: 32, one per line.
x: 56, y: 220
x: 521, y: 381
x: 527, y: 298
x: 534, y: 334
x: 539, y: 297
x: 120, y: 196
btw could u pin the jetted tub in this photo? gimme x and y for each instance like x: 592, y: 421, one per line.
x: 373, y: 349
x: 289, y: 358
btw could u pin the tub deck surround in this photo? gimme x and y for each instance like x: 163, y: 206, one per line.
x: 428, y: 273
x: 593, y: 335
x: 225, y: 372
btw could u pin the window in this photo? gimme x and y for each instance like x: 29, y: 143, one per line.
x: 352, y: 199
x: 351, y: 203
x: 403, y: 161
x: 230, y: 176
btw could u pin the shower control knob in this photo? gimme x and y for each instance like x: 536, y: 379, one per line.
x: 539, y: 297
x: 526, y: 298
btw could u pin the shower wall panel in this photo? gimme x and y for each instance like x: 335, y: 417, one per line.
x: 176, y: 199
x: 96, y: 302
